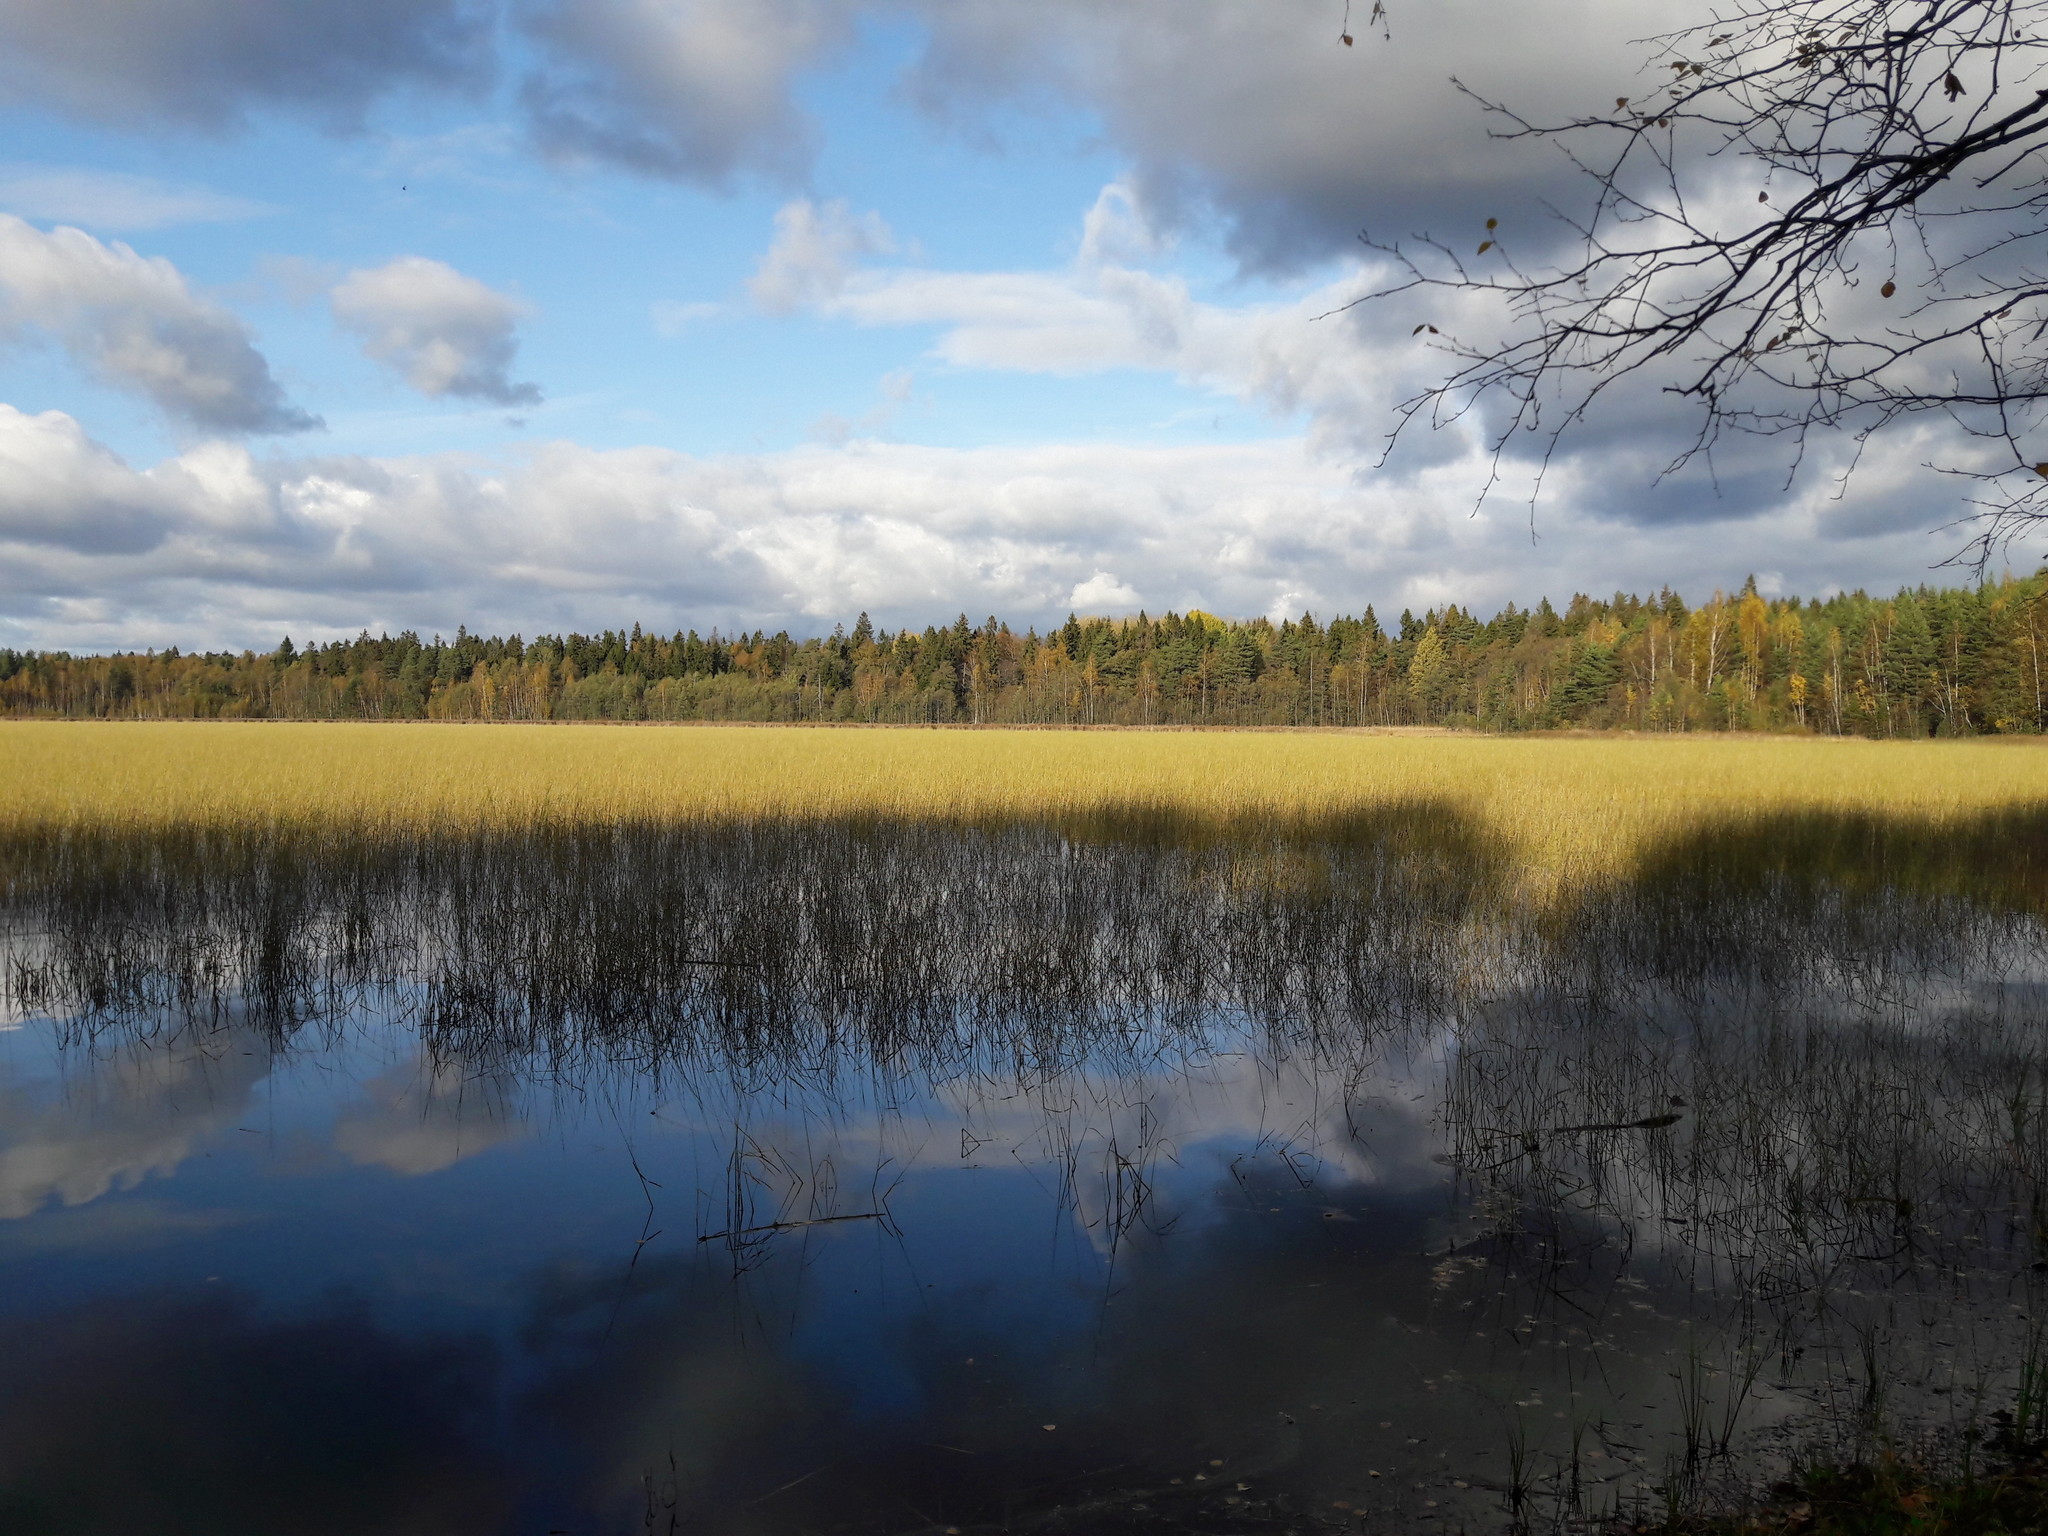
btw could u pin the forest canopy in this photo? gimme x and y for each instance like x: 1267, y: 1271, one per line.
x: 1930, y: 661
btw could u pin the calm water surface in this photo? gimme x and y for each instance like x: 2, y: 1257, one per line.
x: 1124, y: 1176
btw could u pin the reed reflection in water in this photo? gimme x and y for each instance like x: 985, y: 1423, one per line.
x: 1326, y: 1151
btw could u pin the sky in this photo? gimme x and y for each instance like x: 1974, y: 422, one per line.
x: 536, y: 315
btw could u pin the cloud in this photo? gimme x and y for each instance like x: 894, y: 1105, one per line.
x: 132, y: 323
x: 59, y: 487
x: 811, y: 256
x: 1100, y: 319
x: 672, y: 317
x: 206, y: 63
x: 1254, y: 118
x: 1103, y: 593
x: 565, y: 536
x: 1259, y: 119
x: 694, y: 90
x: 444, y: 333
x: 115, y: 200
x: 894, y: 390
x: 1119, y: 229
x: 1341, y: 370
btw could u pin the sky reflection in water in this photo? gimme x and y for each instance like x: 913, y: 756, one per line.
x: 1232, y: 1276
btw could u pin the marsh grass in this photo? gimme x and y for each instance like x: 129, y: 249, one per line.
x: 1894, y: 1491
x: 775, y: 942
x: 1565, y: 806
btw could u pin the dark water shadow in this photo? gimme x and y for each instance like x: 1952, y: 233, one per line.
x: 1778, y: 896
x: 190, y: 1414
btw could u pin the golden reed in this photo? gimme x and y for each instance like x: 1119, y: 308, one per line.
x: 1576, y: 805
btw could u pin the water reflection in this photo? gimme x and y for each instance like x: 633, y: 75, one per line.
x: 429, y: 1113
x: 1124, y: 1174
x: 135, y: 1111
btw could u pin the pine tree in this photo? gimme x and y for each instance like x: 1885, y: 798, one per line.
x: 1590, y: 682
x: 1909, y: 665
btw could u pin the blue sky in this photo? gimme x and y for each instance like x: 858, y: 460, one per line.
x: 571, y: 313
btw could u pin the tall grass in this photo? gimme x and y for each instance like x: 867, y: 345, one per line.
x: 1567, y: 806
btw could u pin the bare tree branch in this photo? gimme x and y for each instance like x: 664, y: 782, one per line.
x: 1830, y: 219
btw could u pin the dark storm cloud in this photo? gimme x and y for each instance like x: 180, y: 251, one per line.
x: 205, y: 63
x: 691, y: 89
x: 1633, y: 489
x: 1255, y: 116
x: 1259, y: 116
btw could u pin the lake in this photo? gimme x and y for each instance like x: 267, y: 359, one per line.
x: 1104, y: 1173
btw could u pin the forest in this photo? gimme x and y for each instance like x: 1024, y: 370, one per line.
x: 1950, y: 661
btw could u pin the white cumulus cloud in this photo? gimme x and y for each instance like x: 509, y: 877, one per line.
x: 59, y: 487
x: 1341, y: 370
x: 443, y: 332
x: 565, y: 536
x: 132, y: 322
x: 1102, y: 593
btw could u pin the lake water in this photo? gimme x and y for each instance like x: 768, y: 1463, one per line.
x: 1126, y: 1174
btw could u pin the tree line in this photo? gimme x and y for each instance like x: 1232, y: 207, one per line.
x: 1927, y: 661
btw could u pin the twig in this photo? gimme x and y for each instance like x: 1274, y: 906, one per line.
x: 784, y: 1226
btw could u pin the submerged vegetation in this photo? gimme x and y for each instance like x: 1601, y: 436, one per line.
x: 1998, y: 1488
x: 1953, y: 662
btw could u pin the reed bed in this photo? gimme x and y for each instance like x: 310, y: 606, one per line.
x: 1567, y: 807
